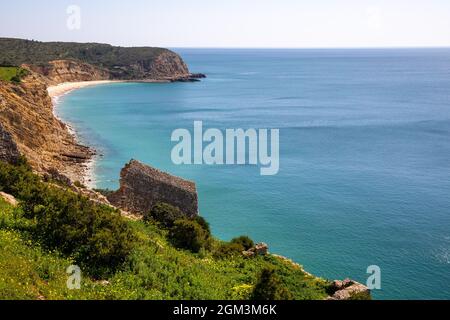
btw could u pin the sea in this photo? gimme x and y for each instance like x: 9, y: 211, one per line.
x: 364, y: 163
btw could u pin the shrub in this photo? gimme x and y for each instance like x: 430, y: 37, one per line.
x: 78, y: 184
x: 203, y: 223
x: 228, y: 249
x: 245, y: 241
x: 270, y: 287
x: 94, y: 234
x: 15, y: 79
x: 188, y: 234
x: 165, y: 214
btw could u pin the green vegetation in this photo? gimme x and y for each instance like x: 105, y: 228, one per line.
x: 78, y: 184
x: 54, y: 228
x: 164, y: 214
x: 270, y: 287
x: 188, y: 234
x: 244, y: 241
x: 13, y: 74
x: 116, y: 59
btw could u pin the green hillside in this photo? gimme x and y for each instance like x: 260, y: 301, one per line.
x: 17, y: 52
x: 54, y: 228
x: 13, y: 74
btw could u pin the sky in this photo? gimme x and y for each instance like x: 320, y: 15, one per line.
x: 232, y: 23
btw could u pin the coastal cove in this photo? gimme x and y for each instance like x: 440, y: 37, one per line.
x: 384, y: 201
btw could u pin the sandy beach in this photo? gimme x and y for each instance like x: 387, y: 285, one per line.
x: 66, y: 87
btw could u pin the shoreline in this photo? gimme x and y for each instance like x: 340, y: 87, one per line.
x: 64, y: 88
x: 59, y: 90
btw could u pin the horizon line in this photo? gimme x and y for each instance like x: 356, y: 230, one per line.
x: 309, y: 48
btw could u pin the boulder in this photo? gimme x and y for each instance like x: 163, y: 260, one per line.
x: 9, y: 199
x: 260, y: 249
x: 348, y: 289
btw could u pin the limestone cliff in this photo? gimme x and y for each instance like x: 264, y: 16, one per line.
x: 59, y: 71
x: 26, y: 114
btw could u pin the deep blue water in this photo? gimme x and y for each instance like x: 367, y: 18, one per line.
x: 365, y: 154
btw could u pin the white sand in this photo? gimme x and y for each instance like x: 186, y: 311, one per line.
x: 66, y: 87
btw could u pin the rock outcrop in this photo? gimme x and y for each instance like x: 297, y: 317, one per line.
x: 8, y: 148
x: 260, y: 249
x: 9, y: 199
x: 142, y: 186
x: 349, y: 290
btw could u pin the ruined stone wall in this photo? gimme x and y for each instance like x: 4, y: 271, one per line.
x: 142, y: 186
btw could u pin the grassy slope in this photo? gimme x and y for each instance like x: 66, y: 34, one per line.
x: 7, y: 73
x: 155, y: 270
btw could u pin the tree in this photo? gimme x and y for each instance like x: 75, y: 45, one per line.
x: 188, y: 234
x: 165, y: 214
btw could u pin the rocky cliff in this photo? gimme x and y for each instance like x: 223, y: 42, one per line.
x: 142, y: 186
x: 59, y: 71
x: 26, y: 115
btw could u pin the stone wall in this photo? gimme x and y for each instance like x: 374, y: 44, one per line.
x: 142, y: 186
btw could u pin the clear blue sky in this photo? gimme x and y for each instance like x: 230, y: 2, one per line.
x: 234, y: 23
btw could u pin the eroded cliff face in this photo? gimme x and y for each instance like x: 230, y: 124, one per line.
x: 59, y: 71
x: 168, y: 65
x: 26, y: 114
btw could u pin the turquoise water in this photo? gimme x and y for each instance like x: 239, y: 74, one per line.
x: 364, y: 163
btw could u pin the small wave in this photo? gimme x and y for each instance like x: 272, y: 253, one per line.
x: 442, y: 255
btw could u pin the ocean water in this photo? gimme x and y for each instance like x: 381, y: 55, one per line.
x: 364, y: 154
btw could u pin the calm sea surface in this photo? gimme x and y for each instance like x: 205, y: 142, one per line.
x: 364, y: 162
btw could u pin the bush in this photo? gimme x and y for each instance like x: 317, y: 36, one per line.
x: 270, y: 287
x: 203, y: 223
x: 15, y: 79
x: 229, y: 249
x: 188, y: 234
x: 165, y: 214
x: 245, y: 241
x: 94, y: 234
x: 78, y: 184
